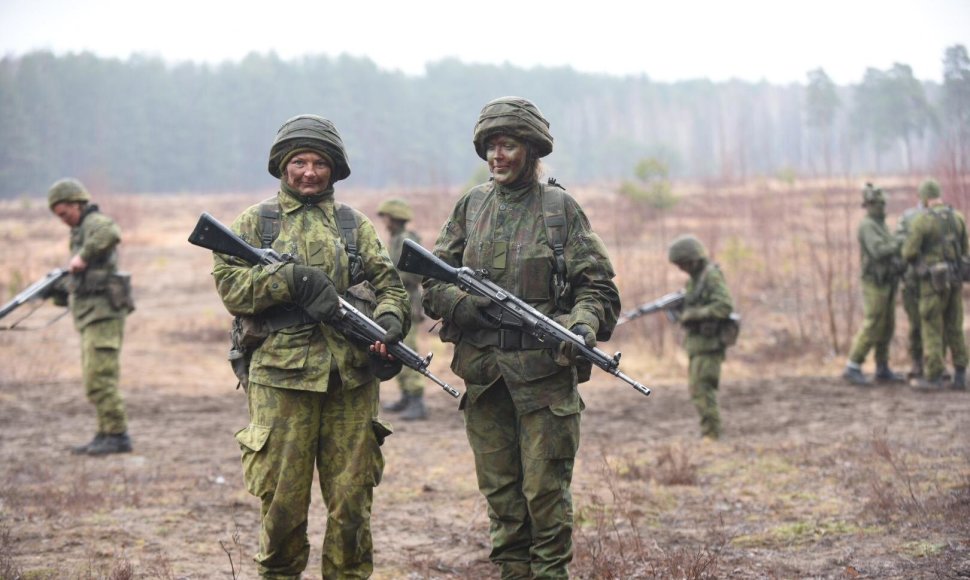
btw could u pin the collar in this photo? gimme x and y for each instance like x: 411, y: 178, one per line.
x: 291, y: 200
x: 515, y: 192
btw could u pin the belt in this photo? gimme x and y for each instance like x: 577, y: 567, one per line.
x: 279, y: 318
x: 506, y: 339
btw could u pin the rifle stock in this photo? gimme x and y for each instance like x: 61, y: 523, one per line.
x: 421, y: 261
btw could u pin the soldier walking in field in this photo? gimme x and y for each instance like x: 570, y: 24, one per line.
x: 313, y: 396
x: 99, y: 298
x: 396, y: 214
x: 937, y: 247
x: 522, y: 406
x: 910, y: 294
x: 881, y: 268
x: 706, y: 318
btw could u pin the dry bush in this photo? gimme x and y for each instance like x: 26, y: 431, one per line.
x: 890, y: 499
x: 8, y: 566
x: 674, y: 466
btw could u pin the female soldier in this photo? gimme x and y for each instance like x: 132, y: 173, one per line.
x: 522, y: 407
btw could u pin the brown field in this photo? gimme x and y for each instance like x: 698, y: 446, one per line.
x: 813, y: 478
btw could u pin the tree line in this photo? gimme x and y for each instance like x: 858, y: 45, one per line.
x: 144, y: 125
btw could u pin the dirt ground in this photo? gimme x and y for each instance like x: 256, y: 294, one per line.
x: 812, y: 479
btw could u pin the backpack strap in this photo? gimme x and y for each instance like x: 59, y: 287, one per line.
x: 554, y: 216
x: 347, y: 223
x: 269, y: 221
x: 477, y: 200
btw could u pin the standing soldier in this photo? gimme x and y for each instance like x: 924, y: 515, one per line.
x: 910, y: 294
x: 396, y: 214
x: 881, y: 267
x: 313, y: 397
x: 100, y: 299
x: 522, y: 405
x: 937, y: 245
x: 706, y: 318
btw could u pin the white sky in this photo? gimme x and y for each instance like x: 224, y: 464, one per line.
x: 774, y: 40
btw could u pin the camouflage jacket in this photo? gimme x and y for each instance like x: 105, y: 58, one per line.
x: 507, y: 237
x: 910, y: 279
x: 302, y: 357
x: 95, y: 239
x: 937, y: 235
x: 879, y: 251
x: 412, y: 282
x: 707, y: 303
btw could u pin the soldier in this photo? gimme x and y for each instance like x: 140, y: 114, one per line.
x: 396, y: 214
x: 100, y: 299
x: 313, y: 398
x: 522, y: 406
x: 881, y: 268
x: 706, y: 318
x: 910, y: 294
x: 937, y: 245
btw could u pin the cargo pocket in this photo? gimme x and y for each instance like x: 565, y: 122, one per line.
x: 555, y: 434
x: 288, y: 348
x: 256, y: 470
x: 536, y: 271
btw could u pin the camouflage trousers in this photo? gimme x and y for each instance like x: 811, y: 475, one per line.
x: 100, y: 368
x: 524, y: 464
x: 411, y: 382
x: 879, y: 323
x: 703, y: 378
x: 941, y: 324
x: 911, y: 306
x: 289, y: 432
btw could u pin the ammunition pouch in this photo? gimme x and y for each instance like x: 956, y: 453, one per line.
x: 940, y: 276
x: 118, y: 290
x: 730, y: 329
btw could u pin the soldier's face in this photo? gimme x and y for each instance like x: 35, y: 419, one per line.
x: 69, y: 212
x: 308, y: 173
x: 506, y: 158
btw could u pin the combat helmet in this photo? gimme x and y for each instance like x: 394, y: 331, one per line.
x: 686, y: 248
x: 67, y: 190
x: 929, y: 189
x: 397, y: 209
x: 872, y: 195
x: 516, y: 117
x: 309, y: 132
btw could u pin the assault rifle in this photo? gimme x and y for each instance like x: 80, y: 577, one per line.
x: 210, y: 234
x: 669, y: 303
x: 514, y: 312
x: 36, y: 291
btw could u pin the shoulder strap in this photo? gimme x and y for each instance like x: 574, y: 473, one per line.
x: 347, y: 223
x: 269, y: 221
x: 554, y: 216
x: 476, y: 202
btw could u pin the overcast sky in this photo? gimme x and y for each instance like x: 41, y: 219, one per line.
x: 774, y: 40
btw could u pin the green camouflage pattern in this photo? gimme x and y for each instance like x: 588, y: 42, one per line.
x: 302, y: 357
x: 67, y: 190
x: 707, y: 302
x: 100, y: 368
x: 927, y: 240
x: 524, y: 464
x: 95, y: 239
x: 879, y: 251
x: 508, y: 239
x: 289, y: 432
x: 703, y: 379
x: 515, y: 117
x: 879, y: 323
x: 411, y: 382
x: 910, y: 289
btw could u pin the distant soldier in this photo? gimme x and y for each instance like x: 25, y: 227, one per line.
x: 396, y: 213
x: 706, y: 317
x: 937, y: 245
x: 100, y: 300
x: 910, y: 294
x: 881, y: 268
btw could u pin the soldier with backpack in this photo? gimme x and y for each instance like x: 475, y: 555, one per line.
x: 312, y: 392
x: 522, y: 406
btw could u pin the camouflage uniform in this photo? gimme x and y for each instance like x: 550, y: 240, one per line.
x: 312, y: 398
x: 936, y: 242
x: 707, y: 304
x: 99, y: 302
x: 880, y: 277
x: 522, y: 407
x: 910, y: 294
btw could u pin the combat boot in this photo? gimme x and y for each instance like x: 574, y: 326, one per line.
x: 414, y: 411
x: 915, y: 372
x: 398, y: 405
x: 885, y: 375
x: 924, y: 384
x: 111, y: 443
x: 959, y: 379
x: 853, y: 374
x: 83, y: 449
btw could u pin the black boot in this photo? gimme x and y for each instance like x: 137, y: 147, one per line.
x: 415, y: 410
x: 398, y: 405
x: 854, y: 375
x: 959, y: 379
x: 915, y: 372
x: 885, y: 375
x: 83, y: 449
x: 111, y: 443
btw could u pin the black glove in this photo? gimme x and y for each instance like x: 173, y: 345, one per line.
x: 393, y: 329
x: 468, y: 314
x: 313, y: 291
x: 382, y: 368
x: 568, y: 350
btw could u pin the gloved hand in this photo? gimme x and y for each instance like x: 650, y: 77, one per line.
x: 313, y: 291
x: 468, y: 314
x: 568, y: 352
x: 393, y: 329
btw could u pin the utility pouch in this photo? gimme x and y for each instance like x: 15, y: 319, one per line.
x: 940, y: 276
x: 730, y: 329
x: 248, y: 332
x: 965, y: 269
x: 118, y: 289
x: 362, y: 297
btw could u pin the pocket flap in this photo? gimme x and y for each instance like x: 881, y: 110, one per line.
x: 253, y: 437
